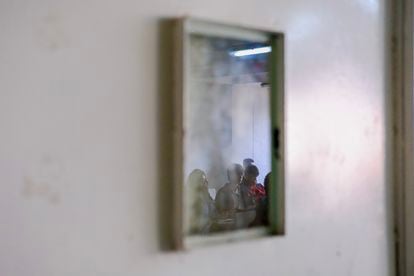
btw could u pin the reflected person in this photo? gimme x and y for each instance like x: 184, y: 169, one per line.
x: 262, y: 205
x: 200, y: 205
x: 250, y: 191
x: 227, y: 200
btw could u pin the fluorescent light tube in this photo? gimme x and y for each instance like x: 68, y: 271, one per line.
x: 253, y: 51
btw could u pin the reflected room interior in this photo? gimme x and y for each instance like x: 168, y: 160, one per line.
x: 227, y: 141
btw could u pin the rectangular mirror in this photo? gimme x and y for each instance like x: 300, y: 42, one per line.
x: 229, y: 133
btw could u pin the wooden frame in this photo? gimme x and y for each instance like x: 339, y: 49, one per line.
x: 401, y: 132
x: 184, y: 27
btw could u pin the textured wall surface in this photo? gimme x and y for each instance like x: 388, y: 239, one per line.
x: 85, y: 144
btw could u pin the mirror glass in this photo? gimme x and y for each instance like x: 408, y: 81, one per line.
x: 227, y: 137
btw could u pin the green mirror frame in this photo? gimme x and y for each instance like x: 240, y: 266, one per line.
x: 183, y: 28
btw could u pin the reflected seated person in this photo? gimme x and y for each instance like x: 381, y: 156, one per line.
x: 227, y: 200
x: 200, y: 204
x: 251, y: 194
x: 262, y: 206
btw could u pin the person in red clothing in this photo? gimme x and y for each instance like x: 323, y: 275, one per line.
x: 262, y: 206
x: 258, y: 191
x: 250, y: 191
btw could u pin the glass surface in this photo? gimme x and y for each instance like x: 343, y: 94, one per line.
x: 227, y: 140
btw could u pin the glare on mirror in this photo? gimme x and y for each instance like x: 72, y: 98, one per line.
x: 227, y: 144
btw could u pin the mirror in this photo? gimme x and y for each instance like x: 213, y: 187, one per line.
x: 226, y: 104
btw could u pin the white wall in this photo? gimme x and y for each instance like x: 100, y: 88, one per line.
x: 250, y: 126
x: 85, y: 147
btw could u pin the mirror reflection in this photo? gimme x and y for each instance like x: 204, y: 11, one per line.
x: 227, y: 145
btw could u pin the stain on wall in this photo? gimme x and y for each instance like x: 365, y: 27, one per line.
x: 44, y: 181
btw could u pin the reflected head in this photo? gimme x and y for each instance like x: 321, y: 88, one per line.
x: 235, y: 173
x: 247, y: 162
x: 250, y: 173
